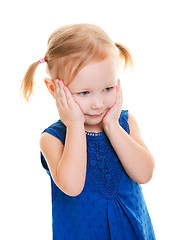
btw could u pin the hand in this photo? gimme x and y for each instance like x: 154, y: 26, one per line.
x: 114, y: 112
x: 69, y: 111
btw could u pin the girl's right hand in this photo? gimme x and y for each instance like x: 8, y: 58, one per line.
x: 69, y: 111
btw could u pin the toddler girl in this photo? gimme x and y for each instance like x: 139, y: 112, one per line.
x: 94, y: 154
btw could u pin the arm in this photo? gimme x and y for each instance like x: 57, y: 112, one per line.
x: 67, y: 163
x: 131, y: 150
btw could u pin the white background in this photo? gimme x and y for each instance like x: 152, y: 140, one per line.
x: 148, y: 29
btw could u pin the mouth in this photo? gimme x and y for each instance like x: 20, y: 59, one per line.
x: 96, y: 115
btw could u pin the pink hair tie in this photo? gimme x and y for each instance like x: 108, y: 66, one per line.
x: 42, y: 60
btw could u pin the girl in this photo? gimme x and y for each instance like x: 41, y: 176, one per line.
x: 94, y: 154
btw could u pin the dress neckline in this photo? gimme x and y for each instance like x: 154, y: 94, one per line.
x: 94, y: 134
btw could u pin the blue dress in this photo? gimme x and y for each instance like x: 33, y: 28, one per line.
x: 111, y: 205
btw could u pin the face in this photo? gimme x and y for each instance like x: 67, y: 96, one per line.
x: 94, y: 89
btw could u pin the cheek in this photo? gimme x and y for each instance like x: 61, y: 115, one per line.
x: 111, y: 99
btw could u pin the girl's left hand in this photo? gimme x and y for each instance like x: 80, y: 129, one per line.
x: 114, y: 112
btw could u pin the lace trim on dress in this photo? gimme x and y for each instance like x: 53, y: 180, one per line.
x: 93, y: 133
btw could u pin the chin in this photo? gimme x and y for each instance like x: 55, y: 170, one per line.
x: 93, y: 122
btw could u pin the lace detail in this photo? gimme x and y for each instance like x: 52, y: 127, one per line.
x: 93, y: 133
x: 103, y: 167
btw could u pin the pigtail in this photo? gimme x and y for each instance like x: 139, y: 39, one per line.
x: 125, y: 55
x: 28, y: 81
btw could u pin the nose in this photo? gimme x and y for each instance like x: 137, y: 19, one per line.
x: 97, y: 103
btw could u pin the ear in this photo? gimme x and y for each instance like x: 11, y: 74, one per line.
x: 50, y: 85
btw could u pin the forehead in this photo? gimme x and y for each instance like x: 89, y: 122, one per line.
x: 96, y: 74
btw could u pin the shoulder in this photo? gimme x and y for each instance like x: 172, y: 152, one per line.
x: 48, y: 141
x: 57, y: 130
x: 123, y: 120
x: 133, y: 124
x: 51, y: 147
x: 57, y: 125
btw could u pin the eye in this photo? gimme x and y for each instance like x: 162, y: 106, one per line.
x: 108, y: 89
x: 83, y: 93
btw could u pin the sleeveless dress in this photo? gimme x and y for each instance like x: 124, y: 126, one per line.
x: 111, y: 205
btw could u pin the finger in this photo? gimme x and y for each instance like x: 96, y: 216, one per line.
x: 57, y: 90
x: 69, y: 98
x: 120, y: 87
x: 71, y: 101
x: 118, y: 93
x: 118, y: 81
x: 60, y: 94
x: 63, y: 94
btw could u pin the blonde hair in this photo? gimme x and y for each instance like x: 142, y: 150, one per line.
x: 72, y: 47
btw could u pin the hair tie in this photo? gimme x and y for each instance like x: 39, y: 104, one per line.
x: 42, y: 60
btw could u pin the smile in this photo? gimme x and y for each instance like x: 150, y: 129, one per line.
x: 94, y: 116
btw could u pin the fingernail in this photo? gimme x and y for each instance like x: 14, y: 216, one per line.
x: 61, y: 83
x: 56, y: 81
